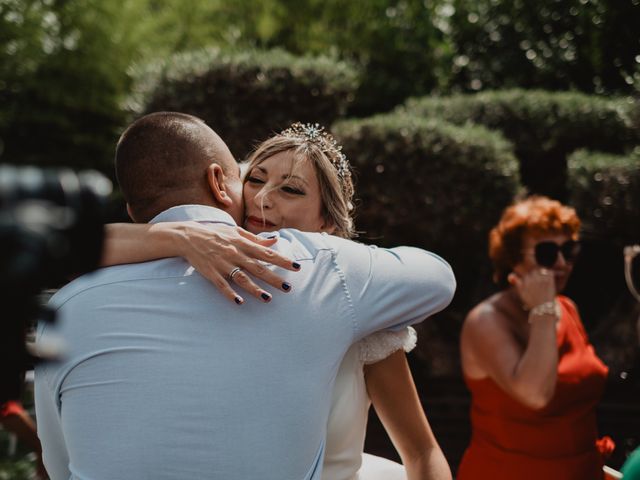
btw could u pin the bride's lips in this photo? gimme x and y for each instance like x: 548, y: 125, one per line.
x: 259, y: 222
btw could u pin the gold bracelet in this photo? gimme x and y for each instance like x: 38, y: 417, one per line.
x: 547, y: 308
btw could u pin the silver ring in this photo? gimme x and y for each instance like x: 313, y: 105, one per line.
x: 234, y: 272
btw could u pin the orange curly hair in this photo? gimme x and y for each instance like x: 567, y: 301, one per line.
x: 535, y: 214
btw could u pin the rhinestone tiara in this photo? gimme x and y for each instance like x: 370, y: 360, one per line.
x: 316, y: 134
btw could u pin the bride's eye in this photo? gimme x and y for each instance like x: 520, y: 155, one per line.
x: 292, y: 190
x: 255, y: 180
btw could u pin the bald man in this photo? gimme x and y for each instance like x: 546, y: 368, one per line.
x: 167, y: 379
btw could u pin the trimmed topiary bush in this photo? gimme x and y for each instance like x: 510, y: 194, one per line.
x: 605, y: 190
x: 431, y: 184
x: 544, y: 126
x: 246, y: 96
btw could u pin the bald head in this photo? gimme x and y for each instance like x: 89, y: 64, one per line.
x: 162, y: 161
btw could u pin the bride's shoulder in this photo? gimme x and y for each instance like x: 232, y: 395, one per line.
x: 380, y: 345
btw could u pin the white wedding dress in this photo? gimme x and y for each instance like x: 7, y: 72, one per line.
x: 344, y: 457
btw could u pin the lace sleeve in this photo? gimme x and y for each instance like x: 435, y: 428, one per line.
x: 380, y: 345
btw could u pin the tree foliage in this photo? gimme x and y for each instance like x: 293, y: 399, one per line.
x: 65, y: 64
x: 587, y: 45
x: 398, y: 47
x: 64, y: 76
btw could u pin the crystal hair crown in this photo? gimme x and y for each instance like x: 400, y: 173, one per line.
x: 315, y: 133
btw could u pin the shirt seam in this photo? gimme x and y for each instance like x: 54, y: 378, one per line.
x: 347, y: 294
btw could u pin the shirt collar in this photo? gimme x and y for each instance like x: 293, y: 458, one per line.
x: 197, y: 213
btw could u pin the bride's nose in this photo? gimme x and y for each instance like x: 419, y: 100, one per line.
x: 263, y: 198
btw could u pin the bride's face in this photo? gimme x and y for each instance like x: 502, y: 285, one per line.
x: 280, y: 193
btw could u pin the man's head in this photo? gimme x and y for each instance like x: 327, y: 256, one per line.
x: 166, y: 159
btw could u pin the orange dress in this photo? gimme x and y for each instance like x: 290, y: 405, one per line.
x: 510, y: 441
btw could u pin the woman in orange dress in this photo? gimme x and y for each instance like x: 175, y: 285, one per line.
x: 534, y: 377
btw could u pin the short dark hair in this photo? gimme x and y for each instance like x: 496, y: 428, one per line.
x: 163, y: 156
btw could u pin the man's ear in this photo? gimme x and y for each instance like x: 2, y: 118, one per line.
x: 130, y: 213
x: 217, y: 184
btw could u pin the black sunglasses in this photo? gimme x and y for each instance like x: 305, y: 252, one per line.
x: 546, y: 253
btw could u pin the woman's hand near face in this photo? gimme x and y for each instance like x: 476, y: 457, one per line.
x: 534, y: 287
x: 213, y: 250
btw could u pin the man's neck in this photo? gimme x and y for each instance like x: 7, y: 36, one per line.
x: 194, y: 212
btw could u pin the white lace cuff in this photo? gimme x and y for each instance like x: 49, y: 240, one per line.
x: 380, y: 345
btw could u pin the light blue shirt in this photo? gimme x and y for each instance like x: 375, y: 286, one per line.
x: 164, y: 378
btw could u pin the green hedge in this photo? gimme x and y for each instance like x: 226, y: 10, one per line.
x: 430, y: 184
x: 544, y: 126
x: 246, y: 96
x: 605, y: 189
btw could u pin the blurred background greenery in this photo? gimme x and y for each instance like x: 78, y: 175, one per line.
x: 67, y: 67
x: 446, y: 108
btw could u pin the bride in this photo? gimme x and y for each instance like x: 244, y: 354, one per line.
x: 301, y: 179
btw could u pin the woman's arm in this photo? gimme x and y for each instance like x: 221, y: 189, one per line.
x: 213, y: 250
x: 526, y: 371
x: 394, y: 396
